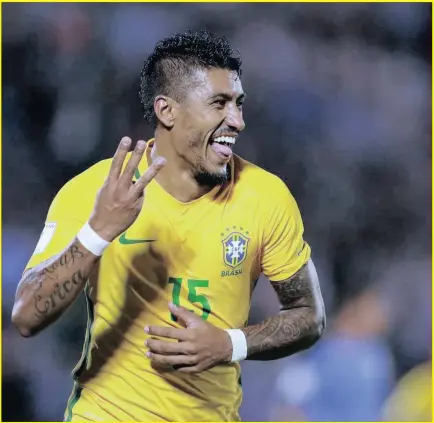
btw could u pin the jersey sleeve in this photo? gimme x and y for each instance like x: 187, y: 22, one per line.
x: 69, y: 211
x: 284, y: 250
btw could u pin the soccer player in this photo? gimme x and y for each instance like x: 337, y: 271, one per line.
x: 167, y: 243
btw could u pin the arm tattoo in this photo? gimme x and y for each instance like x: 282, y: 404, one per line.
x: 299, y: 323
x: 46, y: 275
x: 44, y: 306
x: 296, y: 291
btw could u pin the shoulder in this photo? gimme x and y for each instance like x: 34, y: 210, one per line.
x: 259, y: 183
x: 85, y: 185
x: 89, y: 178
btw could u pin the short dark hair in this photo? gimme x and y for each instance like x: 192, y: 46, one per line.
x: 175, y: 58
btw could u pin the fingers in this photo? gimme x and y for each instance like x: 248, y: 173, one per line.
x: 134, y: 161
x: 132, y: 165
x: 189, y: 369
x: 166, y: 348
x: 184, y: 315
x: 119, y: 158
x: 172, y: 360
x: 150, y: 174
x: 171, y: 333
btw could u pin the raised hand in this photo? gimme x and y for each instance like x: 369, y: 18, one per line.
x: 119, y: 201
x: 200, y: 345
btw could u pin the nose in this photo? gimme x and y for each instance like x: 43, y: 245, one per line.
x: 234, y: 119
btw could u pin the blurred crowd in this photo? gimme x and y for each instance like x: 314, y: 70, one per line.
x: 339, y: 106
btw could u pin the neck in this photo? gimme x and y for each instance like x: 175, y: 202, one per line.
x: 176, y: 177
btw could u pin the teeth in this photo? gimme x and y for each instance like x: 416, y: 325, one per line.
x: 228, y: 140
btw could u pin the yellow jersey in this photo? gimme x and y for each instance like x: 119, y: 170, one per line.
x: 205, y: 255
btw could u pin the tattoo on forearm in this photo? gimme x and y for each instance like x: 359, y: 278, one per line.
x: 66, y: 260
x: 45, y: 303
x: 290, y: 329
x: 282, y: 330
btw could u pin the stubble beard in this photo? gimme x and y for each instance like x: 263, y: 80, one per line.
x: 203, y: 176
x: 206, y: 178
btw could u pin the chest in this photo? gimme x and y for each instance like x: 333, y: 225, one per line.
x: 213, y: 242
x: 206, y: 259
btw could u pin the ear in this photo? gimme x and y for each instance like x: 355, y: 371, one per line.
x: 165, y: 110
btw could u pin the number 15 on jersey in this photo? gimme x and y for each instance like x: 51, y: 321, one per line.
x: 193, y: 296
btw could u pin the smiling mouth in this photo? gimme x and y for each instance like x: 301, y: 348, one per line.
x: 228, y: 141
x: 222, y: 146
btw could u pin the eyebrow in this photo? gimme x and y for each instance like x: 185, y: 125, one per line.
x: 228, y: 97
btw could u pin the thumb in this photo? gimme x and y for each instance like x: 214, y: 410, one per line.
x: 188, y: 318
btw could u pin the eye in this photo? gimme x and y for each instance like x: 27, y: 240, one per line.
x: 220, y: 103
x: 240, y: 105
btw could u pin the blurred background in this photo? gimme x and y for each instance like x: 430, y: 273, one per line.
x: 339, y: 106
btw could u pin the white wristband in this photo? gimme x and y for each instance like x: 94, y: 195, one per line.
x: 239, y: 344
x: 91, y: 240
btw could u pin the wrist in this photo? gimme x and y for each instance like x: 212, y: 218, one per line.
x: 239, y: 345
x: 91, y: 240
x: 101, y: 230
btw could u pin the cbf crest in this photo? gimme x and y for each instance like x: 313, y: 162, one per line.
x: 235, y: 245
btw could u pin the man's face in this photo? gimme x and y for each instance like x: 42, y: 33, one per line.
x: 208, y: 122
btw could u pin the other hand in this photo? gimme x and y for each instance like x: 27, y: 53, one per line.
x: 200, y: 345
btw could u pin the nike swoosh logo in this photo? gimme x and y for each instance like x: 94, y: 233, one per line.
x: 125, y: 241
